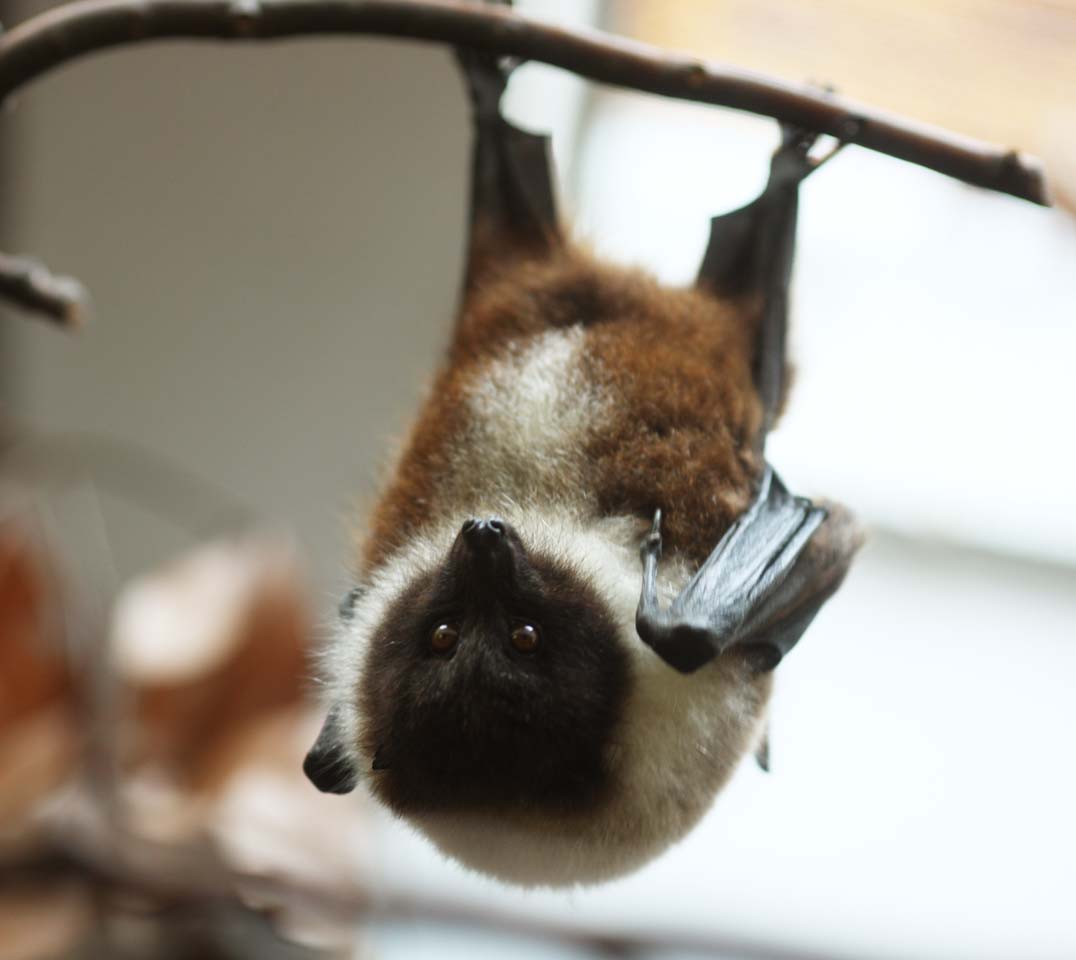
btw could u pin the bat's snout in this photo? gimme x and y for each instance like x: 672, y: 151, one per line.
x: 484, y: 535
x: 489, y: 547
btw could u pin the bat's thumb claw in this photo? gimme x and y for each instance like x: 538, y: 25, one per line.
x: 651, y: 545
x: 655, y: 527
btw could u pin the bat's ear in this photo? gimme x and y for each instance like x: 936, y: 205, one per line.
x: 328, y: 765
x: 750, y: 255
x: 513, y: 211
x: 346, y: 608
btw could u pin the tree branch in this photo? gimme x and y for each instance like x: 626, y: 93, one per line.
x: 85, y: 26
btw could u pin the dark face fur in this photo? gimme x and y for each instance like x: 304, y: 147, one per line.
x: 493, y: 682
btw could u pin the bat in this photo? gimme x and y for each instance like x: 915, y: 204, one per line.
x: 581, y: 572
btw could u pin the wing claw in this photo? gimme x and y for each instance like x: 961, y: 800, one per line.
x: 652, y: 542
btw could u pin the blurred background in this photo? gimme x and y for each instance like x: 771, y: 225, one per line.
x: 273, y: 238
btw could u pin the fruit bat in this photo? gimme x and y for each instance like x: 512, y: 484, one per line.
x: 581, y: 573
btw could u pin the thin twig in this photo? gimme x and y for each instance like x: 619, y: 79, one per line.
x: 28, y: 284
x: 85, y: 26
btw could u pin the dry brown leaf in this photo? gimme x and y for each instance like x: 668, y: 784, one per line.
x: 209, y: 656
x: 268, y: 821
x: 211, y: 645
x: 39, y: 740
x: 43, y: 923
x: 37, y: 755
x: 33, y: 671
x: 268, y: 818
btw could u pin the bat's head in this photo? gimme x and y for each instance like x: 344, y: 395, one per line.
x: 489, y: 686
x: 494, y: 681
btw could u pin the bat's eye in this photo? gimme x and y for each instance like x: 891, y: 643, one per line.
x: 525, y: 638
x: 444, y: 638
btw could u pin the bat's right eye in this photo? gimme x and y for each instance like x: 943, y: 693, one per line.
x: 444, y: 638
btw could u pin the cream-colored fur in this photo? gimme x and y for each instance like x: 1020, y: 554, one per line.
x: 681, y: 736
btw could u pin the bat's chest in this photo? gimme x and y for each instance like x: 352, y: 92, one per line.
x: 531, y: 413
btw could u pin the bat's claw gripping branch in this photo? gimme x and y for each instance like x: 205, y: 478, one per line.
x: 793, y: 159
x: 487, y: 74
x: 486, y: 77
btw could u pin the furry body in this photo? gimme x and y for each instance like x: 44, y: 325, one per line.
x: 575, y: 399
x: 635, y: 396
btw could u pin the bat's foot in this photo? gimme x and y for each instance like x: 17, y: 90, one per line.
x: 794, y: 160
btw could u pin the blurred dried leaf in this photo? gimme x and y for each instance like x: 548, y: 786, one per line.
x: 33, y: 670
x: 193, y: 768
x: 43, y: 923
x: 37, y: 755
x: 211, y: 645
x: 268, y: 820
x: 39, y: 741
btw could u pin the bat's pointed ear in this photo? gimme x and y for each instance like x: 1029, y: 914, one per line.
x: 513, y: 210
x: 328, y: 765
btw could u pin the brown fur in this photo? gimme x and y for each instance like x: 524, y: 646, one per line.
x: 675, y: 362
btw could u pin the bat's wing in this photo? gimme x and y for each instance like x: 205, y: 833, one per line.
x: 759, y: 589
x: 512, y: 203
x: 750, y: 254
x: 784, y: 557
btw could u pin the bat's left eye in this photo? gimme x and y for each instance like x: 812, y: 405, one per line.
x: 444, y: 638
x: 525, y: 638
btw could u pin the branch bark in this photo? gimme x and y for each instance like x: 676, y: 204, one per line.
x: 85, y: 26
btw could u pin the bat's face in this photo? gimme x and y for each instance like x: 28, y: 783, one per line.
x: 493, y: 682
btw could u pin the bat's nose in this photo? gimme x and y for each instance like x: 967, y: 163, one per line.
x: 485, y: 536
x: 488, y: 553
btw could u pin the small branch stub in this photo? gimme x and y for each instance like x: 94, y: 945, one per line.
x: 29, y: 285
